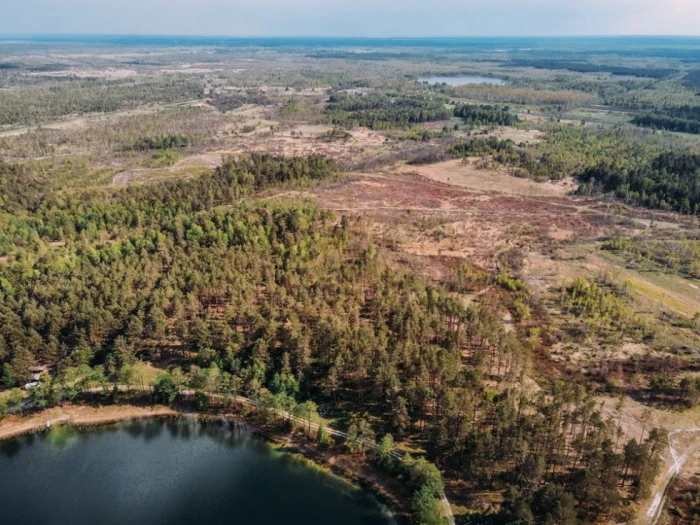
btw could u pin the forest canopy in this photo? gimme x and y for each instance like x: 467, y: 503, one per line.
x: 684, y: 119
x: 385, y: 110
x: 283, y: 302
x: 33, y: 105
x: 671, y: 181
x: 483, y: 115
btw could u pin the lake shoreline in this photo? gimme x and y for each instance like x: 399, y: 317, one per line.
x: 80, y: 416
x: 357, y: 473
x: 462, y: 80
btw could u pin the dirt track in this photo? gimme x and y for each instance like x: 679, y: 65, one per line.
x: 658, y: 501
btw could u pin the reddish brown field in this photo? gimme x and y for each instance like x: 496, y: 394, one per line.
x: 429, y: 217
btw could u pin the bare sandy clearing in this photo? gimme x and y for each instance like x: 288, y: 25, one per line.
x: 127, y: 176
x: 466, y: 175
x: 201, y: 69
x: 519, y: 136
x: 560, y: 234
x: 304, y: 142
x: 530, y: 117
x: 212, y: 160
x: 306, y: 130
x: 367, y: 137
x: 78, y: 415
x: 111, y: 73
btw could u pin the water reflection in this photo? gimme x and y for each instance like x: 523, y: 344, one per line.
x: 463, y: 80
x: 146, y: 429
x: 169, y: 472
x: 10, y: 448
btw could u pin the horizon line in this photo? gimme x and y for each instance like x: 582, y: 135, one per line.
x: 339, y: 37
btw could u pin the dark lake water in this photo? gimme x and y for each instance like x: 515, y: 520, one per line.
x: 172, y: 472
x: 463, y: 80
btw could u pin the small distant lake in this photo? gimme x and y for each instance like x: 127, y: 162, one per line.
x: 463, y: 80
x: 169, y: 472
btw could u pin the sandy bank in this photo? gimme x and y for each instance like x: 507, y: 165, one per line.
x: 15, y: 425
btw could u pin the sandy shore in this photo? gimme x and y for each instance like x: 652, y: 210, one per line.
x: 15, y: 425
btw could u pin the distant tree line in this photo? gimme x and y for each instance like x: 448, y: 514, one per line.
x: 160, y: 143
x: 684, y: 119
x: 385, y: 111
x: 54, y: 218
x: 482, y: 147
x: 564, y: 151
x: 485, y: 115
x: 228, y: 102
x: 562, y: 98
x: 588, y: 67
x: 364, y: 55
x: 36, y: 104
x: 671, y: 181
x: 692, y: 79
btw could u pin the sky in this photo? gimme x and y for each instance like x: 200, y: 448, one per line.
x: 361, y: 18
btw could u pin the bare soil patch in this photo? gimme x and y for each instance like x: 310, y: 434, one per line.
x: 530, y: 117
x: 110, y: 73
x: 467, y: 175
x: 423, y: 211
x: 299, y: 140
x: 529, y: 136
x: 78, y: 415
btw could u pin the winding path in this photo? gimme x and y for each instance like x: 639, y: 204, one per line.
x: 659, y: 502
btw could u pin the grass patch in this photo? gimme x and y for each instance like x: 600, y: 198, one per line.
x: 652, y: 281
x: 598, y: 117
x: 657, y: 293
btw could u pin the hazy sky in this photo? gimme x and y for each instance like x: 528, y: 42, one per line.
x: 352, y: 17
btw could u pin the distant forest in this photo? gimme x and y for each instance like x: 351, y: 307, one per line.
x: 587, y: 67
x: 685, y: 119
x: 35, y: 104
x: 672, y: 181
x: 385, y: 111
x: 482, y: 115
